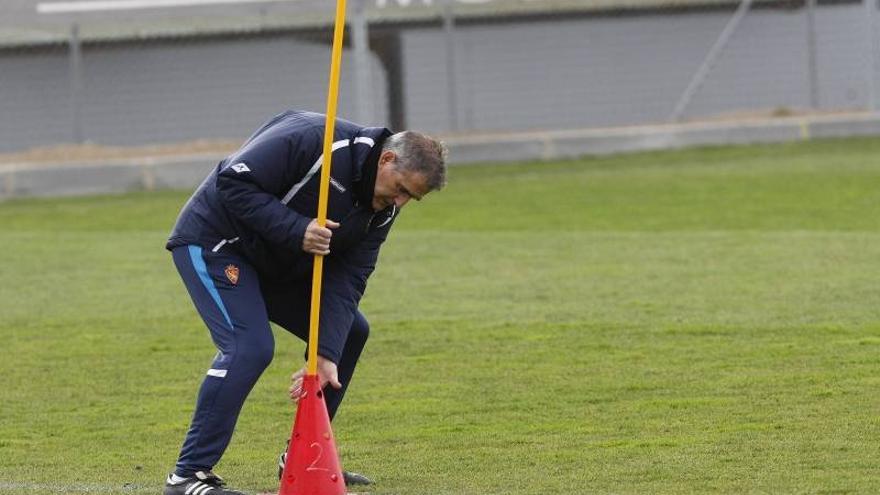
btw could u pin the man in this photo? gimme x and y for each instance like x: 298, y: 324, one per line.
x: 244, y: 245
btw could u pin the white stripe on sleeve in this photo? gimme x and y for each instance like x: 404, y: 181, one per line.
x: 317, y: 165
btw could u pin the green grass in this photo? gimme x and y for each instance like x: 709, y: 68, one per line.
x: 702, y: 321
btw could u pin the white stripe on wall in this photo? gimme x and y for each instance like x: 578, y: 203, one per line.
x: 106, y: 5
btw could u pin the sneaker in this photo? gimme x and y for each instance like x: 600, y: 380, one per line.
x: 349, y: 477
x: 201, y: 483
x: 355, y: 479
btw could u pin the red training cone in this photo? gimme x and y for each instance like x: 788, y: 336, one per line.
x: 312, y: 466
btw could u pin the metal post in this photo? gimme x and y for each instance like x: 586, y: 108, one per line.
x: 76, y: 85
x: 360, y: 43
x: 812, y: 65
x: 451, y: 72
x: 870, y: 35
x: 709, y: 61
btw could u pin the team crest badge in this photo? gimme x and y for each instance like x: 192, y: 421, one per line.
x: 232, y: 274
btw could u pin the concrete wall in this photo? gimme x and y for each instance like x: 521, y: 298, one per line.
x: 626, y: 70
x: 564, y: 73
x: 166, y: 92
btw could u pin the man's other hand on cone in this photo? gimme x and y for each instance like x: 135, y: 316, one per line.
x: 326, y: 371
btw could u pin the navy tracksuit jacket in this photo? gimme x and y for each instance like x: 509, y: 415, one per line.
x: 238, y: 247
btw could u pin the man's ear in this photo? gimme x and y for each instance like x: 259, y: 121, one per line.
x: 386, y: 157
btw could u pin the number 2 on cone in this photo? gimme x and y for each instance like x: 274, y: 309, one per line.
x: 312, y: 466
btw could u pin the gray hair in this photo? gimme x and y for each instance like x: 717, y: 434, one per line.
x: 419, y: 153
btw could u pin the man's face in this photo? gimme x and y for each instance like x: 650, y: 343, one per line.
x: 396, y: 187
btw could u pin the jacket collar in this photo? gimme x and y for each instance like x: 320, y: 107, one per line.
x: 365, y: 182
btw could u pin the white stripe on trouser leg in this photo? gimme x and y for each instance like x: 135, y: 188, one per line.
x: 217, y: 373
x: 223, y: 243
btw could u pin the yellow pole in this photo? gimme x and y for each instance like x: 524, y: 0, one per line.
x: 329, y: 127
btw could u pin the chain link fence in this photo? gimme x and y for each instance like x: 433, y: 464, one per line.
x: 215, y: 71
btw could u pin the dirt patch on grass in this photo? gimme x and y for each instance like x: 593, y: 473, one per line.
x: 774, y: 113
x: 86, y: 152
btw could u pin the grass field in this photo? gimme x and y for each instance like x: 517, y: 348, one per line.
x: 703, y: 321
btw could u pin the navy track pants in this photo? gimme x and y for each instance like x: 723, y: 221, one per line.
x: 237, y: 309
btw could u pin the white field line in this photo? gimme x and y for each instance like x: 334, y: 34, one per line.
x: 108, y: 5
